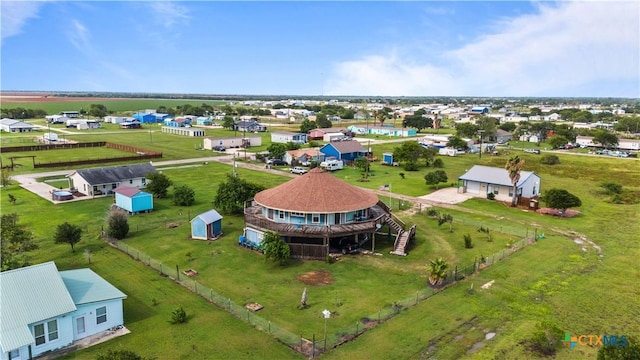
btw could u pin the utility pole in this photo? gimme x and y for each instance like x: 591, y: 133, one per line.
x: 480, y: 132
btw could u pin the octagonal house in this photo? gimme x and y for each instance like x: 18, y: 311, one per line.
x: 317, y: 213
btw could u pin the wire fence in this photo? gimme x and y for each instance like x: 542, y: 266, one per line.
x: 316, y: 346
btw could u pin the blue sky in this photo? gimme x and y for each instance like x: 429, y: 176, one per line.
x: 413, y: 48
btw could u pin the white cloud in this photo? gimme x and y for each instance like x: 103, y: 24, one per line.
x: 15, y: 15
x: 586, y: 47
x: 168, y: 14
x: 80, y: 37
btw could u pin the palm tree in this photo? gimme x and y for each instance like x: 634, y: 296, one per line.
x: 437, y: 271
x: 513, y: 166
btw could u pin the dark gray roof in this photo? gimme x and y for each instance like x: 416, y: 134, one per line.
x: 116, y: 173
x: 493, y: 175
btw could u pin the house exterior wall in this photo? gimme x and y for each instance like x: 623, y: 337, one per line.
x: 332, y: 136
x: 124, y: 202
x: 285, y: 138
x: 528, y: 189
x: 88, y: 312
x: 198, y: 229
x: 84, y: 187
x: 236, y: 142
x: 65, y: 336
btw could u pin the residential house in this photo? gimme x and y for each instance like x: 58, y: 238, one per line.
x: 482, y: 180
x: 70, y: 114
x: 102, y: 181
x: 317, y: 213
x: 56, y: 119
x: 503, y: 136
x: 43, y: 309
x: 287, y: 137
x: 249, y: 126
x: 133, y: 124
x: 319, y: 134
x: 343, y: 150
x: 390, y: 131
x: 15, y: 126
x: 207, y: 225
x: 232, y: 142
x: 303, y: 156
x: 204, y: 120
x: 132, y: 199
x: 116, y: 119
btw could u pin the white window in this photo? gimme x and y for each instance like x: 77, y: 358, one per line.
x: 101, y: 315
x: 14, y: 354
x: 45, y: 332
x: 496, y: 190
x: 298, y: 214
x: 510, y: 192
x: 281, y: 215
x: 315, y: 218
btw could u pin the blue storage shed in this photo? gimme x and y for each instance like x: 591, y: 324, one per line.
x: 133, y: 199
x: 207, y: 225
x: 145, y: 118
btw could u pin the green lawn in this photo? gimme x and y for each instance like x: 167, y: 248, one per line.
x: 553, y: 279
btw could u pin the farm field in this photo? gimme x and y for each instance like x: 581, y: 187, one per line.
x: 584, y: 291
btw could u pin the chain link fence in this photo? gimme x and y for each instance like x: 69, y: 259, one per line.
x: 316, y: 346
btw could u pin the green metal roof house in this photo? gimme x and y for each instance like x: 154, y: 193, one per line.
x: 42, y: 309
x: 207, y: 225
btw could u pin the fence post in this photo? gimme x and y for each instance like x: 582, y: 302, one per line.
x: 416, y: 297
x: 455, y: 276
x: 357, y: 328
x: 313, y: 346
x: 475, y: 260
x: 195, y: 284
x: 211, y: 295
x: 177, y: 273
x: 269, y: 326
x: 229, y: 305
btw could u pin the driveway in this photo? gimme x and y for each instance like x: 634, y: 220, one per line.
x: 448, y: 195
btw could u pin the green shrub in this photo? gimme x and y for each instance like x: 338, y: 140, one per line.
x: 178, y: 316
x: 118, y: 224
x: 546, y: 339
x: 438, y: 163
x: 491, y: 196
x: 468, y: 243
x: 411, y: 166
x: 611, y: 187
x: 550, y: 160
x: 433, y: 212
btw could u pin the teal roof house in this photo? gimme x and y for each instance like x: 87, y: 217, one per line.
x: 43, y: 309
x: 206, y: 226
x: 133, y: 199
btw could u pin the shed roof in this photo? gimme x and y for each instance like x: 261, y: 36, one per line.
x: 316, y: 192
x: 127, y: 191
x: 85, y: 286
x: 30, y: 294
x: 115, y: 174
x: 209, y: 217
x: 494, y: 175
x: 349, y: 146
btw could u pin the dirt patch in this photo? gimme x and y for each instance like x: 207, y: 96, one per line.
x: 548, y: 211
x: 254, y: 307
x: 316, y: 278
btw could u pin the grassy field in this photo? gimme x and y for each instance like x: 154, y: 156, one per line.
x: 582, y: 291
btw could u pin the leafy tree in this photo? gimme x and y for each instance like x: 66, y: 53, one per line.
x: 508, y: 126
x: 158, y: 184
x: 437, y: 271
x: 68, y: 234
x: 417, y: 121
x: 15, y: 242
x: 456, y: 142
x: 535, y: 111
x: 557, y: 140
x: 117, y: 224
x: 438, y: 163
x: 277, y: 150
x: 436, y: 177
x: 605, y: 139
x: 233, y: 193
x: 346, y: 114
x: 381, y: 116
x: 489, y: 125
x: 411, y: 152
x: 630, y: 124
x: 275, y: 248
x: 560, y: 199
x: 547, y: 338
x: 183, y: 195
x: 228, y: 122
x: 307, y: 125
x: 513, y: 167
x: 362, y: 163
x: 619, y: 352
x: 322, y: 121
x: 293, y: 146
x: 466, y: 130
x: 119, y: 354
x: 98, y: 110
x: 468, y: 243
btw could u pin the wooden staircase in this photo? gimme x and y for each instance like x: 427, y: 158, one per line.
x: 402, y: 241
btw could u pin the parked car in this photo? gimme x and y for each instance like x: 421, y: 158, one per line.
x: 349, y: 247
x: 276, y: 162
x: 532, y: 151
x: 219, y: 148
x: 298, y: 170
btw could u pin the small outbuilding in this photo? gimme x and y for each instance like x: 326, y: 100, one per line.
x: 133, y: 199
x: 206, y: 226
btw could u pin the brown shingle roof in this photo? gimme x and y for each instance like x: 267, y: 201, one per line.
x: 348, y: 146
x: 316, y: 191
